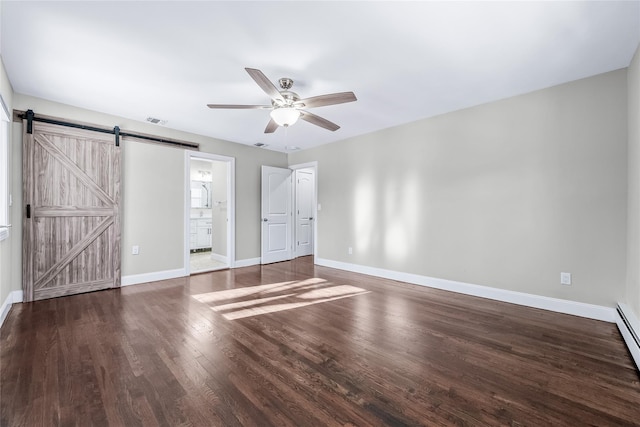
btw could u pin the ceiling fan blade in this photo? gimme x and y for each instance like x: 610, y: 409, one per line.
x: 318, y: 121
x: 331, y: 99
x: 264, y: 83
x: 271, y: 127
x: 239, y: 107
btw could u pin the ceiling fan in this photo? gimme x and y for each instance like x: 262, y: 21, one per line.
x: 287, y: 107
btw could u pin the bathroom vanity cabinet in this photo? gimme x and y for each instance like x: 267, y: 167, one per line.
x: 200, y: 233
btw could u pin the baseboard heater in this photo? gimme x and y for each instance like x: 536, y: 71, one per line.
x: 629, y: 328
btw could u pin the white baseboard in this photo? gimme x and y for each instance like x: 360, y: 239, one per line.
x: 590, y: 311
x: 135, y: 279
x: 246, y: 262
x: 629, y: 327
x: 12, y: 298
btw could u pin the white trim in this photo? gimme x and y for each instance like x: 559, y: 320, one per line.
x: 590, y: 311
x: 135, y: 279
x: 5, y: 169
x: 631, y: 317
x: 247, y: 262
x: 155, y: 276
x: 5, y: 110
x: 632, y: 345
x: 13, y: 298
x: 309, y: 165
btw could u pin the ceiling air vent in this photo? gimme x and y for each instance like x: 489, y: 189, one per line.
x: 156, y: 121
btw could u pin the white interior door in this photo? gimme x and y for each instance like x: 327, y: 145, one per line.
x: 276, y: 214
x: 305, y: 188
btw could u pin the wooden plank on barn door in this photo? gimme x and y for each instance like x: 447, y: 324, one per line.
x: 71, y: 241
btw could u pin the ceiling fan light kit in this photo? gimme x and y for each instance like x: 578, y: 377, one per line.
x: 287, y: 107
x: 285, y: 116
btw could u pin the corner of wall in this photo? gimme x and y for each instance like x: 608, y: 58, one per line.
x: 12, y: 298
x: 632, y: 294
x: 6, y: 89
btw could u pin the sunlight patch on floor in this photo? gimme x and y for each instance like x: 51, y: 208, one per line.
x: 246, y: 302
x: 252, y: 290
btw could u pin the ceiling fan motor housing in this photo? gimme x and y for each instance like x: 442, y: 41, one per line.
x: 285, y: 83
x: 289, y: 99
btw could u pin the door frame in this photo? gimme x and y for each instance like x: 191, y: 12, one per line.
x: 231, y: 204
x: 309, y: 165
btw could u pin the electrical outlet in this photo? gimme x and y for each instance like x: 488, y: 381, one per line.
x: 350, y: 251
x: 135, y: 250
x: 565, y: 278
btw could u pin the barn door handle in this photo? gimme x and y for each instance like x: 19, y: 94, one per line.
x: 28, y: 211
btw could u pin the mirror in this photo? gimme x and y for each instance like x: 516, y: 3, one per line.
x: 200, y: 194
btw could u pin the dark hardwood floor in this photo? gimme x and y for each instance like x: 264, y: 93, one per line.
x: 293, y: 344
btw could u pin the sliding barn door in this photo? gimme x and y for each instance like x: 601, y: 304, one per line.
x: 71, y: 239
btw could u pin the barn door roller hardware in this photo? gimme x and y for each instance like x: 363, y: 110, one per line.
x: 29, y: 121
x: 30, y: 117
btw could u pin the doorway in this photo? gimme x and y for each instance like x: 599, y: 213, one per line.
x: 209, y: 212
x: 304, y: 214
x: 289, y: 206
x: 305, y: 193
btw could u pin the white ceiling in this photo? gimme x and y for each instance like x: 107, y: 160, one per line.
x: 404, y: 60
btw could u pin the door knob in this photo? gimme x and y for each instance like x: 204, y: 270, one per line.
x: 265, y: 219
x: 310, y: 218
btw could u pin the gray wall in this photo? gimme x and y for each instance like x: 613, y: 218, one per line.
x: 153, y: 181
x: 633, y: 216
x: 507, y: 194
x: 153, y: 207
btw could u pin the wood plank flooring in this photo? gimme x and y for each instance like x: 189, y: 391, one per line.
x: 293, y: 344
